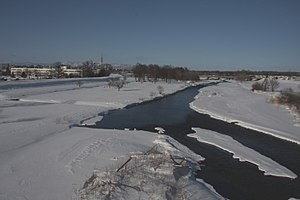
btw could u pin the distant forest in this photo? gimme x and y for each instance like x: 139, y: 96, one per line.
x: 153, y: 72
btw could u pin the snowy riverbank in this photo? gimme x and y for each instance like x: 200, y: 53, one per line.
x: 234, y: 102
x: 44, y: 157
x: 241, y: 152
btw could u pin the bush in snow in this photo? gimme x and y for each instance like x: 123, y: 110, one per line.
x: 267, y: 84
x: 289, y: 98
x: 257, y: 86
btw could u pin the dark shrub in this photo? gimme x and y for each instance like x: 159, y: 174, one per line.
x: 290, y: 98
x: 257, y: 86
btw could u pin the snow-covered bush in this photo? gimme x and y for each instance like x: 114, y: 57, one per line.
x: 152, y: 175
x: 257, y: 86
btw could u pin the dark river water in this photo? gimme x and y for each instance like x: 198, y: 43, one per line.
x: 231, y: 178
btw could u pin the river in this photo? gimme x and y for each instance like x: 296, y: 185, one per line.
x: 231, y: 178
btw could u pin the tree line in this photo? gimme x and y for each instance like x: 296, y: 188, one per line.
x: 154, y: 72
x: 89, y: 69
x: 92, y: 69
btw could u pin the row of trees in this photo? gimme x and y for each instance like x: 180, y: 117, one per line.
x: 89, y: 69
x: 92, y: 69
x: 153, y: 72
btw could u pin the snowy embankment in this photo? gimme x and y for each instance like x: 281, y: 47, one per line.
x: 44, y: 157
x: 241, y: 152
x: 234, y: 102
x: 165, y: 171
x: 43, y: 111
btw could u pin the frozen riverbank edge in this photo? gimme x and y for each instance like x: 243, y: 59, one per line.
x: 94, y: 119
x: 241, y: 152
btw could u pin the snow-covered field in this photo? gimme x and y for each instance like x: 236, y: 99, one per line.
x: 43, y: 156
x: 43, y: 111
x: 235, y: 102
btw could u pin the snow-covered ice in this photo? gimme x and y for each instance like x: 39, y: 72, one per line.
x: 235, y: 102
x: 241, y: 152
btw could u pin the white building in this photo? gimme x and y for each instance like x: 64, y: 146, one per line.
x: 44, y: 72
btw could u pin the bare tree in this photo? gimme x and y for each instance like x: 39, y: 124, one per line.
x: 58, y: 69
x: 88, y: 68
x: 117, y: 84
x: 274, y: 84
x: 265, y: 84
x: 140, y: 71
x: 153, y: 72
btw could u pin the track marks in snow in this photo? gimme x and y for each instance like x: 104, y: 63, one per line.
x: 22, y: 120
x: 81, y: 151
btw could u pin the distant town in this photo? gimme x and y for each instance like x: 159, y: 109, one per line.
x: 142, y: 72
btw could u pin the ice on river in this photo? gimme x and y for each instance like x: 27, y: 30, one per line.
x: 241, y: 152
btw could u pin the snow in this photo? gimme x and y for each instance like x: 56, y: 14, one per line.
x: 242, y: 152
x: 91, y: 121
x: 43, y: 111
x: 141, y: 178
x: 159, y: 130
x: 44, y: 156
x: 235, y: 102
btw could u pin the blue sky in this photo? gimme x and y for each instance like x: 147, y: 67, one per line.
x: 199, y: 34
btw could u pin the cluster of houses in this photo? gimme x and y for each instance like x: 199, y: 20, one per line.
x: 45, y: 72
x: 38, y: 72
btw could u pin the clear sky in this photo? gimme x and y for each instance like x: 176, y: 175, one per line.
x: 199, y: 34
